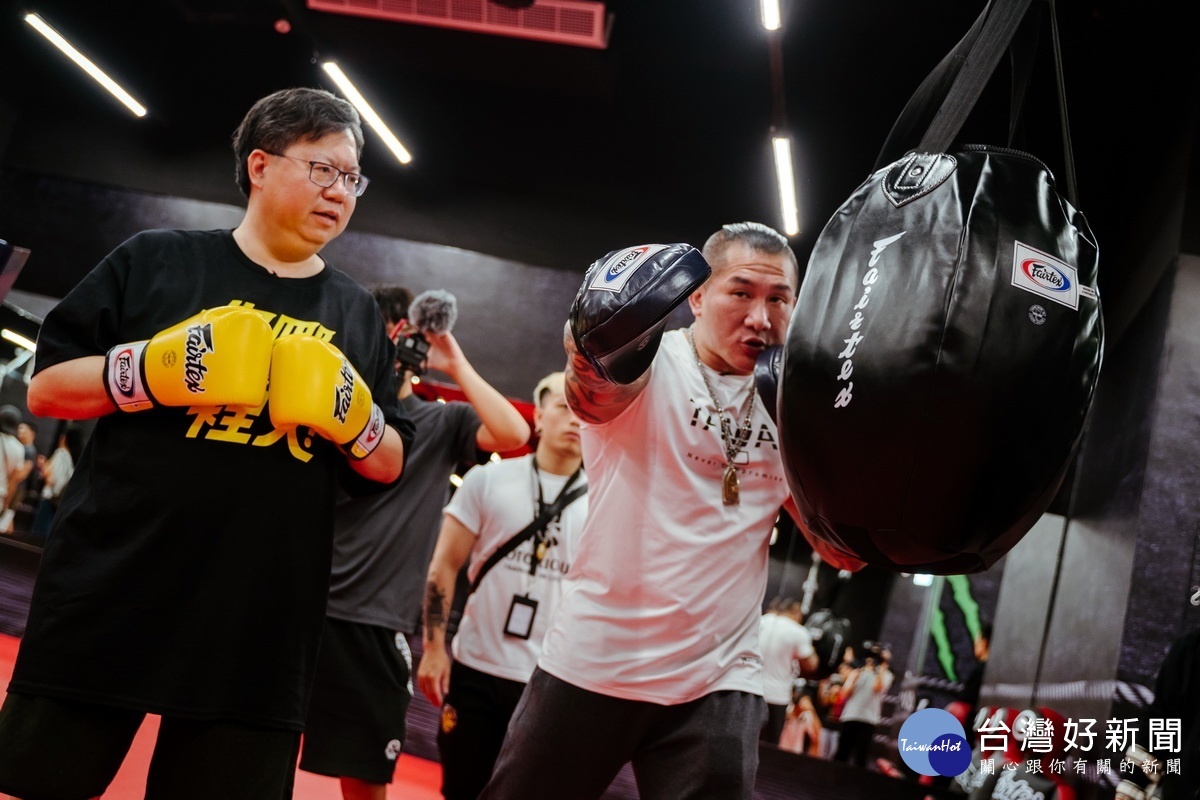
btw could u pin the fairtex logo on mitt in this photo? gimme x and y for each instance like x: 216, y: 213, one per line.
x: 343, y: 393
x: 198, y: 344
x: 616, y: 271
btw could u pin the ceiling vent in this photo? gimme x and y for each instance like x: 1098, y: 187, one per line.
x: 576, y: 22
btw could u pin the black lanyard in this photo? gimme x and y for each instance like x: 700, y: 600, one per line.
x: 541, y: 537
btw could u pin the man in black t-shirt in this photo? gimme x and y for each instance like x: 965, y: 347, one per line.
x: 382, y: 544
x: 187, y: 569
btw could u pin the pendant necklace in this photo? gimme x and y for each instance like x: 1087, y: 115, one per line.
x: 733, y: 442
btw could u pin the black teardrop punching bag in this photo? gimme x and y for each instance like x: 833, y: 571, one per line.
x: 934, y: 386
x: 940, y: 360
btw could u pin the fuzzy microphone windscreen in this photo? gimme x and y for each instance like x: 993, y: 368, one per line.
x: 434, y: 311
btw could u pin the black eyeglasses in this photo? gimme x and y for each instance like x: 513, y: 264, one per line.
x: 326, y: 175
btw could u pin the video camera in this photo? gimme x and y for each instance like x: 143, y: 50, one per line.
x: 411, y: 351
x: 434, y: 311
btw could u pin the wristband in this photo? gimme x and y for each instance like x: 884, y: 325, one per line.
x: 369, y: 438
x: 123, y: 377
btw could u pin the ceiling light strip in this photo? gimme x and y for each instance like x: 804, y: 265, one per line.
x: 772, y: 20
x: 788, y: 208
x: 82, y: 61
x: 358, y: 101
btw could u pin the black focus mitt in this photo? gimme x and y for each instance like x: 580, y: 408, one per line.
x: 766, y: 377
x: 621, y: 308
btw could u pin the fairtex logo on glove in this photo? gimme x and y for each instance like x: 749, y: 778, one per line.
x: 343, y: 393
x: 620, y: 266
x: 123, y: 371
x: 198, y: 344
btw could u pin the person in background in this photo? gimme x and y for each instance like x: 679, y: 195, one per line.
x: 518, y: 521
x: 864, y: 690
x: 787, y: 652
x: 831, y: 699
x: 15, y: 464
x: 57, y: 471
x: 382, y: 544
x: 30, y: 487
x: 802, y: 730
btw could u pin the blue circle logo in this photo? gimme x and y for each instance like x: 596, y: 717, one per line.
x: 932, y: 742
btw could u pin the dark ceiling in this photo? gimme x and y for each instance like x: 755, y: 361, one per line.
x: 551, y: 154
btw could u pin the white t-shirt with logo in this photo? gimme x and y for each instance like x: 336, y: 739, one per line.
x: 496, y: 501
x: 783, y: 642
x: 663, y: 601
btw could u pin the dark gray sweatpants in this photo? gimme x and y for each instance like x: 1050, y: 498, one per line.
x: 566, y: 743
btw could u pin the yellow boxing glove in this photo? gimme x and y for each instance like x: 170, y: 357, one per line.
x: 313, y: 384
x: 219, y: 357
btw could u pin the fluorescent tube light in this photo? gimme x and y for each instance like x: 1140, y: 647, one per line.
x: 358, y: 101
x: 85, y: 64
x: 771, y: 19
x: 18, y: 339
x: 787, y: 185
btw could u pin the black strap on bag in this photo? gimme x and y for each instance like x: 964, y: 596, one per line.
x: 941, y: 104
x: 548, y: 513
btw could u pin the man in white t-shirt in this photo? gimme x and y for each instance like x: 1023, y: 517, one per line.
x: 516, y: 584
x: 653, y: 655
x: 787, y: 651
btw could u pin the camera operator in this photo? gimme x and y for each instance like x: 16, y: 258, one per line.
x: 382, y: 547
x: 864, y: 691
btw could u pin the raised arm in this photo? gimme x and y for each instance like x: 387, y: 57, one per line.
x: 616, y: 323
x: 503, y: 428
x: 591, y: 397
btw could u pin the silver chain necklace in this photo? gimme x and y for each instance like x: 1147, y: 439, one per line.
x: 733, y: 443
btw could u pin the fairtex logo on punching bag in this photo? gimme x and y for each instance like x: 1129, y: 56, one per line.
x: 1047, y: 276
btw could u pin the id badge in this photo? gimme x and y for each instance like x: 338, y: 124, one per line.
x: 520, y: 617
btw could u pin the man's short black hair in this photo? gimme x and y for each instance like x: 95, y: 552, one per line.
x: 393, y: 301
x: 279, y: 120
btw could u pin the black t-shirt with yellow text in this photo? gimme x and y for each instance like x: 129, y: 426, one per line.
x: 187, y: 570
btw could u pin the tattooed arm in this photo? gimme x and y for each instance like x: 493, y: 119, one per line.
x: 454, y: 546
x: 592, y: 398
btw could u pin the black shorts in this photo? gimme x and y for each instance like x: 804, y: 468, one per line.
x: 66, y: 750
x: 361, y: 691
